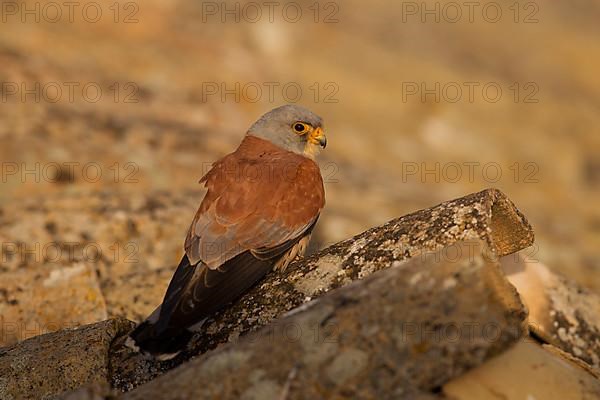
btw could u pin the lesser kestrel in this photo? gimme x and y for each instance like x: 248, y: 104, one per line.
x: 261, y: 205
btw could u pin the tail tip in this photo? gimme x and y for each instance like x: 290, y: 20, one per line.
x: 165, y: 356
x: 132, y: 344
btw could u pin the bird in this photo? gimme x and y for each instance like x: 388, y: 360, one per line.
x: 258, y: 213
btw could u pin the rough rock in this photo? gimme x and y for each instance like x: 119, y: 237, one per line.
x: 127, y: 245
x: 411, y: 327
x: 55, y: 297
x: 95, y: 391
x: 48, y: 365
x: 562, y: 313
x: 526, y: 371
x: 478, y: 216
x: 488, y: 215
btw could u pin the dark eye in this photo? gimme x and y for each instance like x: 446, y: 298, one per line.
x: 300, y: 127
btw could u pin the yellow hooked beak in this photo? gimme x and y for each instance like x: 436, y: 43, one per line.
x: 317, y: 136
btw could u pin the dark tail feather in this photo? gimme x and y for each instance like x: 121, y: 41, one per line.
x: 197, y: 292
x: 154, y: 336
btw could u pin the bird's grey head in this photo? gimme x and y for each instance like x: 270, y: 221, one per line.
x: 293, y: 128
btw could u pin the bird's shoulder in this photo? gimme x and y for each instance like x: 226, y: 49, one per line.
x: 258, y: 162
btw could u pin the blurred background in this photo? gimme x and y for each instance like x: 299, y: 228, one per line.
x: 110, y: 112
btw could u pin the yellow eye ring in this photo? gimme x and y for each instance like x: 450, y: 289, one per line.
x: 300, y: 127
